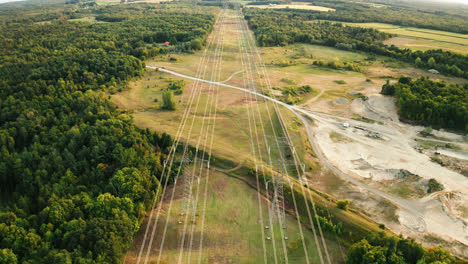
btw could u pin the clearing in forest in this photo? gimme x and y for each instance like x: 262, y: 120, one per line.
x: 295, y: 5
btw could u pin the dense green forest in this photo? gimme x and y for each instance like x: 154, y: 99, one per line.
x: 76, y: 176
x: 275, y: 28
x: 431, y: 103
x: 378, y: 248
x: 352, y: 11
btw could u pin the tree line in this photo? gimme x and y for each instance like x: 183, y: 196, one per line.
x: 378, y: 248
x: 347, y: 11
x: 76, y: 176
x: 278, y: 28
x: 431, y: 103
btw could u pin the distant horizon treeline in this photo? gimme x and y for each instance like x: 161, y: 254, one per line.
x: 350, y: 11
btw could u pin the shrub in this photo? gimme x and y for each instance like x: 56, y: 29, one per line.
x: 343, y: 204
x: 168, y: 100
x: 196, y: 44
x: 388, y: 89
x: 426, y: 132
x: 434, y: 186
x: 177, y: 86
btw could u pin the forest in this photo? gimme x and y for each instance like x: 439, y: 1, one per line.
x: 76, y: 175
x: 431, y: 103
x: 379, y: 248
x: 353, y: 11
x: 279, y: 28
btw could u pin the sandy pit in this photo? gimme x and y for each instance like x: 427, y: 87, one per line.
x: 376, y: 152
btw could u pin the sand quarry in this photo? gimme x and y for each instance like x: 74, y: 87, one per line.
x: 386, y: 158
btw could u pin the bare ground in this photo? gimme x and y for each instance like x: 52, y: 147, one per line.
x: 375, y: 161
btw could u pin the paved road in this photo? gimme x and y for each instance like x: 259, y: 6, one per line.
x: 228, y: 86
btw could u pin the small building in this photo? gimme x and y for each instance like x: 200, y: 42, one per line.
x: 166, y: 44
x: 434, y: 71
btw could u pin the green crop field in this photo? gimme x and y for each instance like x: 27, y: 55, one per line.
x: 421, y: 39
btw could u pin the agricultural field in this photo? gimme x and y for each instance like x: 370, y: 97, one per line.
x: 295, y: 5
x: 88, y: 19
x: 420, y: 39
x: 108, y: 2
x: 114, y: 2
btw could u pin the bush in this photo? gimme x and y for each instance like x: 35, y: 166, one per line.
x: 434, y: 186
x: 426, y: 132
x: 196, y: 44
x: 177, y: 86
x: 168, y: 100
x: 388, y: 89
x: 343, y: 204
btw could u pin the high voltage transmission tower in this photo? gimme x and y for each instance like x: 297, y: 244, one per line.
x: 282, y: 143
x: 277, y: 210
x: 187, y: 191
x: 189, y: 205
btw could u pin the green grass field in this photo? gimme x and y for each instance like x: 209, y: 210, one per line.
x: 233, y: 230
x: 89, y: 19
x: 420, y: 39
